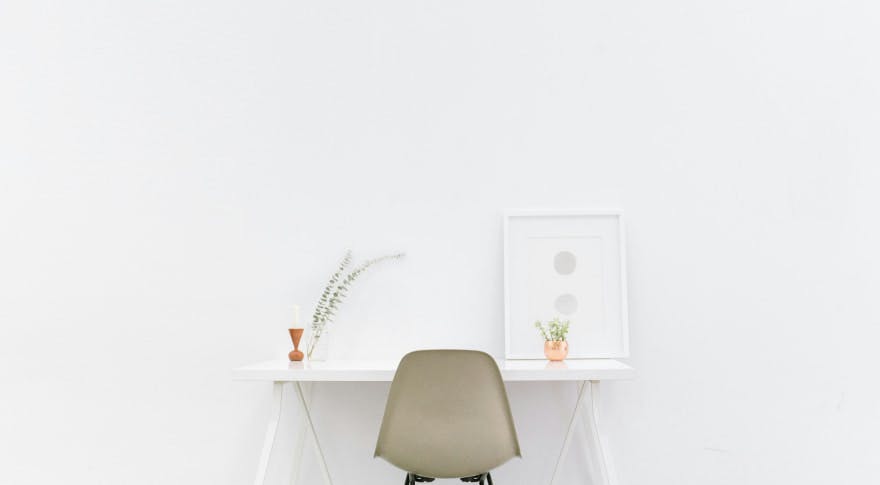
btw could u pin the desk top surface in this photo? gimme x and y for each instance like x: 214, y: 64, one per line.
x: 383, y: 371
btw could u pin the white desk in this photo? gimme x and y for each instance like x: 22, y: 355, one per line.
x: 586, y: 373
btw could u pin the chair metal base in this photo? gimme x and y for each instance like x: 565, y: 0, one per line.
x: 485, y: 478
x: 482, y: 479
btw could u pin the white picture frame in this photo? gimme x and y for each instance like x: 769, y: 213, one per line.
x: 571, y: 264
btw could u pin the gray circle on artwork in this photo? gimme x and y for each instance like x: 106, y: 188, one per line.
x: 564, y: 262
x: 566, y: 304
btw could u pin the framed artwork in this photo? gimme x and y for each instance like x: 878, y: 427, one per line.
x: 571, y: 265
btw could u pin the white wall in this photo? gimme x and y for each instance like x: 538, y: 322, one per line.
x: 175, y: 175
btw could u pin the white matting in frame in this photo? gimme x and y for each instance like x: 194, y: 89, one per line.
x: 571, y: 265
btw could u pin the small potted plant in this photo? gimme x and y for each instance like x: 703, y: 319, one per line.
x: 554, y: 333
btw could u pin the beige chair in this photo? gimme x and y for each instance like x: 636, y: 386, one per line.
x: 447, y: 416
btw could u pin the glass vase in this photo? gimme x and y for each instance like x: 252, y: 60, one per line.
x: 318, y: 351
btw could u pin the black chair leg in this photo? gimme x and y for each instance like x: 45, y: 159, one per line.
x: 482, y: 479
x: 412, y: 478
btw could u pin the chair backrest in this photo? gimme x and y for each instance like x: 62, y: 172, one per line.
x: 447, y: 415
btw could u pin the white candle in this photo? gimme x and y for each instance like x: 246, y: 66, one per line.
x: 296, y: 317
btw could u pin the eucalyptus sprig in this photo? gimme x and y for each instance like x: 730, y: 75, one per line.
x: 555, y: 330
x: 327, y: 294
x: 336, y: 290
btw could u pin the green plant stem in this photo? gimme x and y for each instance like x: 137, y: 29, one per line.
x: 334, y: 293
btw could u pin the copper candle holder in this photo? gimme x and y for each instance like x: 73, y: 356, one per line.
x: 295, y: 336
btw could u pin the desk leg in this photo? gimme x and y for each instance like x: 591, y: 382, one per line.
x: 269, y: 441
x: 300, y: 440
x: 600, y: 461
x: 571, y: 426
x: 308, y: 416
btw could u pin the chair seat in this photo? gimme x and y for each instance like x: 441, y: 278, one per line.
x: 447, y: 416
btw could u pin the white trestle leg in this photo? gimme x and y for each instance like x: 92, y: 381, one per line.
x: 305, y: 410
x: 587, y: 409
x: 269, y: 441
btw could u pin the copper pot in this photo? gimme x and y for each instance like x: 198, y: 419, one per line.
x: 556, y: 350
